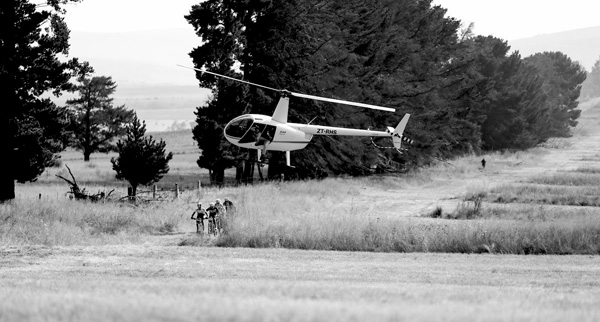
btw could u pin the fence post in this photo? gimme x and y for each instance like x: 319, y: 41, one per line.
x: 154, y: 190
x: 177, y: 190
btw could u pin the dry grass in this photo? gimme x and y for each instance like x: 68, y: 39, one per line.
x: 588, y: 169
x: 325, y: 215
x: 54, y: 222
x: 559, y: 143
x: 150, y: 283
x: 546, y: 194
x: 579, y: 178
x: 328, y: 232
x: 339, y: 214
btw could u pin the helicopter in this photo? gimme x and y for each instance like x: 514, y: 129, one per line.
x: 274, y: 133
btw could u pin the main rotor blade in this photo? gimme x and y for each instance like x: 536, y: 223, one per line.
x: 284, y: 92
x: 331, y: 100
x: 231, y: 78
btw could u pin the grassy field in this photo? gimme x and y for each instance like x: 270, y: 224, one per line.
x: 281, y: 259
x: 151, y: 283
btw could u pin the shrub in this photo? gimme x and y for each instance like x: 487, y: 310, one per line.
x: 435, y: 213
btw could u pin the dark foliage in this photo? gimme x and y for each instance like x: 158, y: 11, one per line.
x: 141, y: 159
x: 510, y: 96
x: 387, y: 53
x: 32, y: 36
x: 562, y: 79
x: 217, y: 153
x: 463, y: 92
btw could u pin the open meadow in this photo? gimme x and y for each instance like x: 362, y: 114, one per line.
x: 516, y: 240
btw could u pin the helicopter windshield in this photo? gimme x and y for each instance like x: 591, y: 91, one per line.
x: 237, y: 128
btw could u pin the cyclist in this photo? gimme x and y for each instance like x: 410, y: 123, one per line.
x: 212, y: 218
x: 199, y: 215
x: 220, y: 215
x: 229, y: 208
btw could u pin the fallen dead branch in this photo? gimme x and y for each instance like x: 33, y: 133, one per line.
x: 81, y: 194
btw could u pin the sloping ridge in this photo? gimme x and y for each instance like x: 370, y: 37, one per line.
x: 582, y: 45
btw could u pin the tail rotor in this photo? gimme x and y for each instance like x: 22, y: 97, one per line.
x: 397, y: 134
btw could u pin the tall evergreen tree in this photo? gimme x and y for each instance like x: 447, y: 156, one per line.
x: 562, y: 85
x: 141, y: 159
x: 217, y: 153
x: 32, y: 36
x: 510, y: 95
x: 95, y: 122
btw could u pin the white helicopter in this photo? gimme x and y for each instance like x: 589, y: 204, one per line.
x: 274, y: 133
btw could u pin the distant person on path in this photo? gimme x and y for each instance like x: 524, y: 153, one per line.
x: 212, y: 218
x: 483, y: 163
x: 199, y: 215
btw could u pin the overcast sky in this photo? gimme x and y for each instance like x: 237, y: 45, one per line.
x: 517, y: 19
x: 506, y: 19
x: 128, y: 15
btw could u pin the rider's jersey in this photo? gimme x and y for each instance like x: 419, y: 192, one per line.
x: 220, y: 209
x: 200, y: 214
x: 228, y: 205
x: 212, y: 212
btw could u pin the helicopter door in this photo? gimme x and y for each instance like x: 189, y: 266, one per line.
x: 266, y: 135
x: 253, y: 134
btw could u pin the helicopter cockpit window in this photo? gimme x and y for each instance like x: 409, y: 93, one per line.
x: 238, y: 128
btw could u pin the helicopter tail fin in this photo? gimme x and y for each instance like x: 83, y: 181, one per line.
x: 398, y: 131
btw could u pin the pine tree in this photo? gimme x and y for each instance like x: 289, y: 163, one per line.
x: 510, y: 95
x: 95, y: 122
x: 141, y: 159
x: 32, y: 36
x: 562, y: 79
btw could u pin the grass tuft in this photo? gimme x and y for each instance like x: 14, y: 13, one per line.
x: 435, y: 213
x: 580, y: 178
x: 588, y: 169
x: 551, y: 195
x: 70, y: 222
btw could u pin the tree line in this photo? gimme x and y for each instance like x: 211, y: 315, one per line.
x: 466, y: 93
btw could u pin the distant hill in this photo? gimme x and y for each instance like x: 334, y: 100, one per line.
x: 582, y: 45
x: 139, y: 58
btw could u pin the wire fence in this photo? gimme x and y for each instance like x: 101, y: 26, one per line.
x: 157, y: 192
